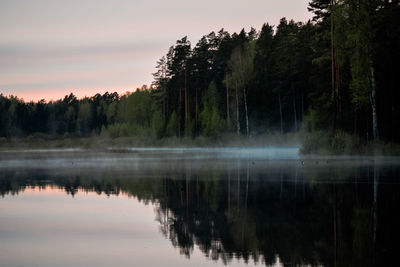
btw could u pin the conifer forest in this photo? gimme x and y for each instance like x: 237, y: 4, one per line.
x: 334, y: 74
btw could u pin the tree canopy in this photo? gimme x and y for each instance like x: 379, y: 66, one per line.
x: 337, y: 72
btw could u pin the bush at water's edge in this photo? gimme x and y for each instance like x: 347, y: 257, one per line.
x: 342, y: 143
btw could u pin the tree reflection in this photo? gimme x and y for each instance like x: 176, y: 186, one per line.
x: 304, y: 216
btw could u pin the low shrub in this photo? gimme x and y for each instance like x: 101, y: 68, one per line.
x: 316, y: 142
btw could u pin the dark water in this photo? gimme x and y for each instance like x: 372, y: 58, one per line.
x: 197, y: 207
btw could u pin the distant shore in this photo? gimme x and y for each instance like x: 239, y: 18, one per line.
x: 318, y: 143
x: 100, y: 142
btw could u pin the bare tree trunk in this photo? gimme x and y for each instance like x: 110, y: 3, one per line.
x: 228, y: 117
x: 338, y: 113
x: 302, y: 104
x: 367, y: 131
x: 245, y: 109
x: 294, y: 108
x: 373, y: 105
x: 237, y: 112
x: 334, y: 104
x: 280, y: 112
x: 186, y: 99
x: 281, y: 191
x: 295, y: 184
x: 338, y: 92
x: 180, y: 112
x: 164, y: 105
x: 393, y: 118
x: 196, y: 110
x: 355, y: 123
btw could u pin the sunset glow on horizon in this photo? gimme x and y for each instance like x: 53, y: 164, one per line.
x: 57, y: 94
x: 49, y: 49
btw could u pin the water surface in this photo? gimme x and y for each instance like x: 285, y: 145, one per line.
x: 200, y: 207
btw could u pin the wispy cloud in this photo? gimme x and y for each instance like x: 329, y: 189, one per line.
x: 59, y: 45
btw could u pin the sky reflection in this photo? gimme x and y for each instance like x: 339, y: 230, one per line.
x: 47, y: 227
x: 147, y: 208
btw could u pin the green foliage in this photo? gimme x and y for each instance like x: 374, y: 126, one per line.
x: 3, y: 140
x: 111, y: 113
x: 211, y: 96
x: 157, y: 124
x: 85, y: 115
x: 120, y: 130
x: 325, y: 142
x: 210, y: 118
x: 210, y: 121
x: 172, y: 126
x: 314, y: 121
x: 315, y: 142
x: 241, y: 64
x: 359, y: 41
x: 138, y: 110
x: 266, y: 81
x: 343, y: 143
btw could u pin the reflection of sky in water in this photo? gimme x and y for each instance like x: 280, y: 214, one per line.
x: 151, y: 207
x: 47, y: 227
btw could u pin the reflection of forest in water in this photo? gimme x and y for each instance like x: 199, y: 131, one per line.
x: 317, y: 215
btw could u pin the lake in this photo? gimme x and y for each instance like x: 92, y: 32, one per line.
x: 197, y: 207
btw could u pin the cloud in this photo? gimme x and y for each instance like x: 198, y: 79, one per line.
x: 23, y: 55
x: 84, y: 44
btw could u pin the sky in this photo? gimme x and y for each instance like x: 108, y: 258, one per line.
x: 50, y: 48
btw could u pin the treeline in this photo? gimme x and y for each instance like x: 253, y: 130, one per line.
x: 337, y: 72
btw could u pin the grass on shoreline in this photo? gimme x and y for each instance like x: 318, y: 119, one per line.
x: 317, y: 143
x: 40, y: 141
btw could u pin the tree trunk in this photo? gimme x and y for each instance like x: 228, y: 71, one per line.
x: 338, y: 92
x: 164, y: 101
x: 334, y: 109
x: 294, y: 108
x: 373, y: 106
x: 280, y: 112
x: 196, y: 111
x: 281, y: 190
x: 302, y: 104
x: 166, y: 104
x: 338, y: 112
x: 227, y: 102
x: 180, y: 112
x: 186, y: 99
x: 246, y: 111
x: 237, y: 112
x: 355, y: 123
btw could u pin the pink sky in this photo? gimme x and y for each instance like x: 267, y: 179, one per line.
x: 51, y: 48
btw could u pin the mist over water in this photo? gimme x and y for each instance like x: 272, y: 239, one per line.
x: 197, y: 206
x: 140, y: 158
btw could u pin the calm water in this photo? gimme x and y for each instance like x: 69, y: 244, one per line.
x: 198, y: 207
